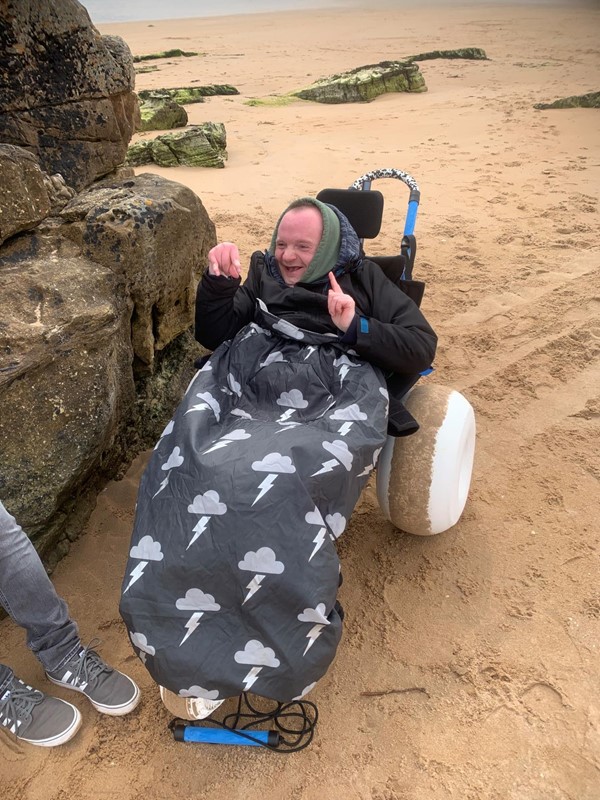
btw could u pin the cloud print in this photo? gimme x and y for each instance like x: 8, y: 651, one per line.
x: 140, y: 641
x: 384, y: 392
x: 336, y: 522
x: 197, y: 600
x: 274, y: 462
x: 174, y: 460
x: 306, y: 690
x: 344, y: 360
x: 207, y: 503
x: 339, y: 449
x: 272, y: 358
x: 212, y: 402
x: 262, y: 561
x: 236, y: 435
x: 288, y: 329
x: 238, y: 412
x: 292, y: 399
x: 198, y: 691
x: 257, y: 654
x: 351, y: 412
x: 234, y: 385
x: 147, y: 549
x: 314, y: 517
x: 314, y: 615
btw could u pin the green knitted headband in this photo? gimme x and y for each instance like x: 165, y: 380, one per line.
x: 324, y: 260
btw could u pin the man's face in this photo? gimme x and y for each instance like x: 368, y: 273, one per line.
x: 298, y: 238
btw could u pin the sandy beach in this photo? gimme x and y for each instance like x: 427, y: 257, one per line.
x: 494, y: 626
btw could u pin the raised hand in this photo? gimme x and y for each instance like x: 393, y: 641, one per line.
x: 341, y: 306
x: 224, y: 259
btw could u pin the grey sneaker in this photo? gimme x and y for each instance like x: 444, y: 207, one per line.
x: 108, y: 690
x: 37, y: 718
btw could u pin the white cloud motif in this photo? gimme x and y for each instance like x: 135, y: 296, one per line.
x: 314, y: 615
x: 234, y: 385
x: 207, y: 503
x: 169, y: 427
x: 337, y: 523
x: 272, y: 358
x: 236, y: 435
x: 384, y: 392
x: 351, y: 412
x: 174, y: 460
x: 292, y: 399
x: 274, y: 462
x: 198, y: 691
x: 147, y: 549
x: 306, y: 690
x: 257, y: 654
x: 339, y: 449
x: 197, y: 600
x: 141, y: 642
x: 288, y: 329
x: 314, y: 517
x: 238, y: 412
x: 344, y: 361
x: 263, y: 561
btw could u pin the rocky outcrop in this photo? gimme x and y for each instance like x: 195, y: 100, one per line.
x: 175, y: 53
x: 161, y: 114
x: 471, y: 53
x: 95, y: 344
x: 24, y: 200
x: 363, y: 84
x: 590, y: 100
x: 197, y: 146
x: 186, y: 95
x: 66, y: 92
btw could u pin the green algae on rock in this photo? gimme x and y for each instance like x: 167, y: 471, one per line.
x: 589, y: 100
x: 165, y: 54
x: 473, y: 53
x: 197, y: 146
x: 186, y: 95
x: 161, y: 114
x: 363, y: 84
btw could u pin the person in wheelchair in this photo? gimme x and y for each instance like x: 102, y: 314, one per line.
x: 231, y: 583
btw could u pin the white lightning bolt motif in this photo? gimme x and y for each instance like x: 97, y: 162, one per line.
x: 198, y: 407
x: 311, y: 350
x: 345, y: 428
x: 251, y: 678
x: 198, y: 530
x: 266, y: 485
x: 344, y: 369
x: 163, y: 484
x: 318, y: 541
x: 326, y: 467
x: 253, y: 586
x: 221, y: 443
x: 192, y: 624
x: 136, y: 573
x: 286, y: 415
x: 312, y: 636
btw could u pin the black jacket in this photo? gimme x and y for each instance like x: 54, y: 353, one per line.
x: 389, y: 330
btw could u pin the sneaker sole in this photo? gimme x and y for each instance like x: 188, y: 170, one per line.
x: 111, y: 711
x: 63, y: 737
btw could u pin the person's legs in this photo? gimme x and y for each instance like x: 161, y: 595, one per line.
x: 6, y: 675
x: 28, y: 595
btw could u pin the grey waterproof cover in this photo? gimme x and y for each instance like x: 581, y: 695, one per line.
x: 232, y: 575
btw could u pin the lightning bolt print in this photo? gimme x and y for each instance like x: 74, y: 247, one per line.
x: 286, y: 415
x: 136, y: 573
x: 311, y: 350
x: 192, y: 624
x: 253, y: 586
x: 221, y: 443
x: 318, y: 541
x: 163, y: 484
x: 344, y: 369
x: 251, y: 678
x: 198, y: 407
x: 327, y: 466
x: 312, y: 636
x: 265, y: 486
x: 345, y: 428
x: 199, y: 529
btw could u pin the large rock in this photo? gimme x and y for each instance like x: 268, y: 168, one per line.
x: 24, y: 199
x: 161, y: 114
x: 186, y: 95
x: 589, y: 100
x: 197, y: 146
x: 363, y: 84
x: 95, y: 344
x: 66, y: 92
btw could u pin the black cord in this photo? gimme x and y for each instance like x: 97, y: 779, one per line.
x: 296, y: 719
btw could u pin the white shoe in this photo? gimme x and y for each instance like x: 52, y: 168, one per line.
x: 188, y: 707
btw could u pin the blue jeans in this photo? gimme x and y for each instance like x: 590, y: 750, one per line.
x: 28, y: 595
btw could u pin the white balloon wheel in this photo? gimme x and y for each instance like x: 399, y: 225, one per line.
x: 423, y: 479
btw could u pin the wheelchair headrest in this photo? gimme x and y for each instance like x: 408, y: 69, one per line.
x: 364, y: 209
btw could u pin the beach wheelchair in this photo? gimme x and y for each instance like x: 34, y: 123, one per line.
x: 422, y: 479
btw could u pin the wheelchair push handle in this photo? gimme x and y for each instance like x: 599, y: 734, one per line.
x: 364, y: 183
